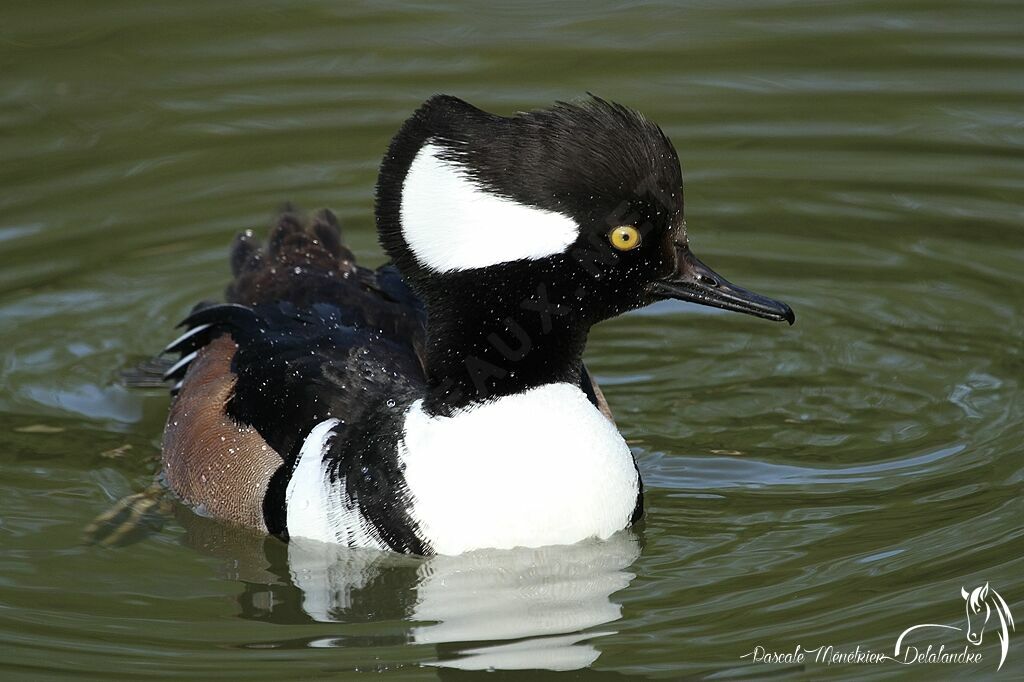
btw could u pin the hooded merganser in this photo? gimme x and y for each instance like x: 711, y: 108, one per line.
x: 439, y: 404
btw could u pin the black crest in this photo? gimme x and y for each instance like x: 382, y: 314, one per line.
x: 592, y: 161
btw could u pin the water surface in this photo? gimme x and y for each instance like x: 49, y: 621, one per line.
x: 831, y: 483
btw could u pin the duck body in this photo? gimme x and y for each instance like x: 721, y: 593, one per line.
x: 319, y: 431
x: 439, y: 404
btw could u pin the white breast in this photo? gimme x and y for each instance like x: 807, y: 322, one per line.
x: 319, y: 509
x: 543, y: 467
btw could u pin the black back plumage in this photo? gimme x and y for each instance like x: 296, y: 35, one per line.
x: 318, y: 336
x: 313, y: 330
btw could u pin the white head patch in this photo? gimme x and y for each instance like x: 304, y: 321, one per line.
x: 452, y: 223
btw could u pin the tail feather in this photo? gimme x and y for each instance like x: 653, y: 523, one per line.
x: 303, y: 264
x: 246, y: 255
x: 304, y: 261
x: 325, y: 228
x: 147, y: 374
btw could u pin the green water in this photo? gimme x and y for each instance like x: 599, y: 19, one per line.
x: 832, y: 483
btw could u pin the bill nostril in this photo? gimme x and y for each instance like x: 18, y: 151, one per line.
x: 708, y: 281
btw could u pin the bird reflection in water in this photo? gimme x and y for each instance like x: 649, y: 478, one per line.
x: 488, y: 609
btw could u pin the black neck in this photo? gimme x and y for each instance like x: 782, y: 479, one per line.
x: 487, y: 340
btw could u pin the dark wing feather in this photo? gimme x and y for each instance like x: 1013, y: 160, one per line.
x: 307, y: 321
x: 296, y: 367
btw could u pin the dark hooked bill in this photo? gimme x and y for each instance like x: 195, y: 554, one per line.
x: 697, y: 283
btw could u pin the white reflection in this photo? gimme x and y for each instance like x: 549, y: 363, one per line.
x: 543, y: 597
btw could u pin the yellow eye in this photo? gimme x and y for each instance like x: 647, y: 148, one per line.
x: 624, y: 237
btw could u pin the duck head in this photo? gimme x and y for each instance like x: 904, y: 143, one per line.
x: 578, y: 208
x: 586, y: 196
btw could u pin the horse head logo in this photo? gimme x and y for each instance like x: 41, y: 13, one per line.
x: 980, y: 603
x: 975, y: 601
